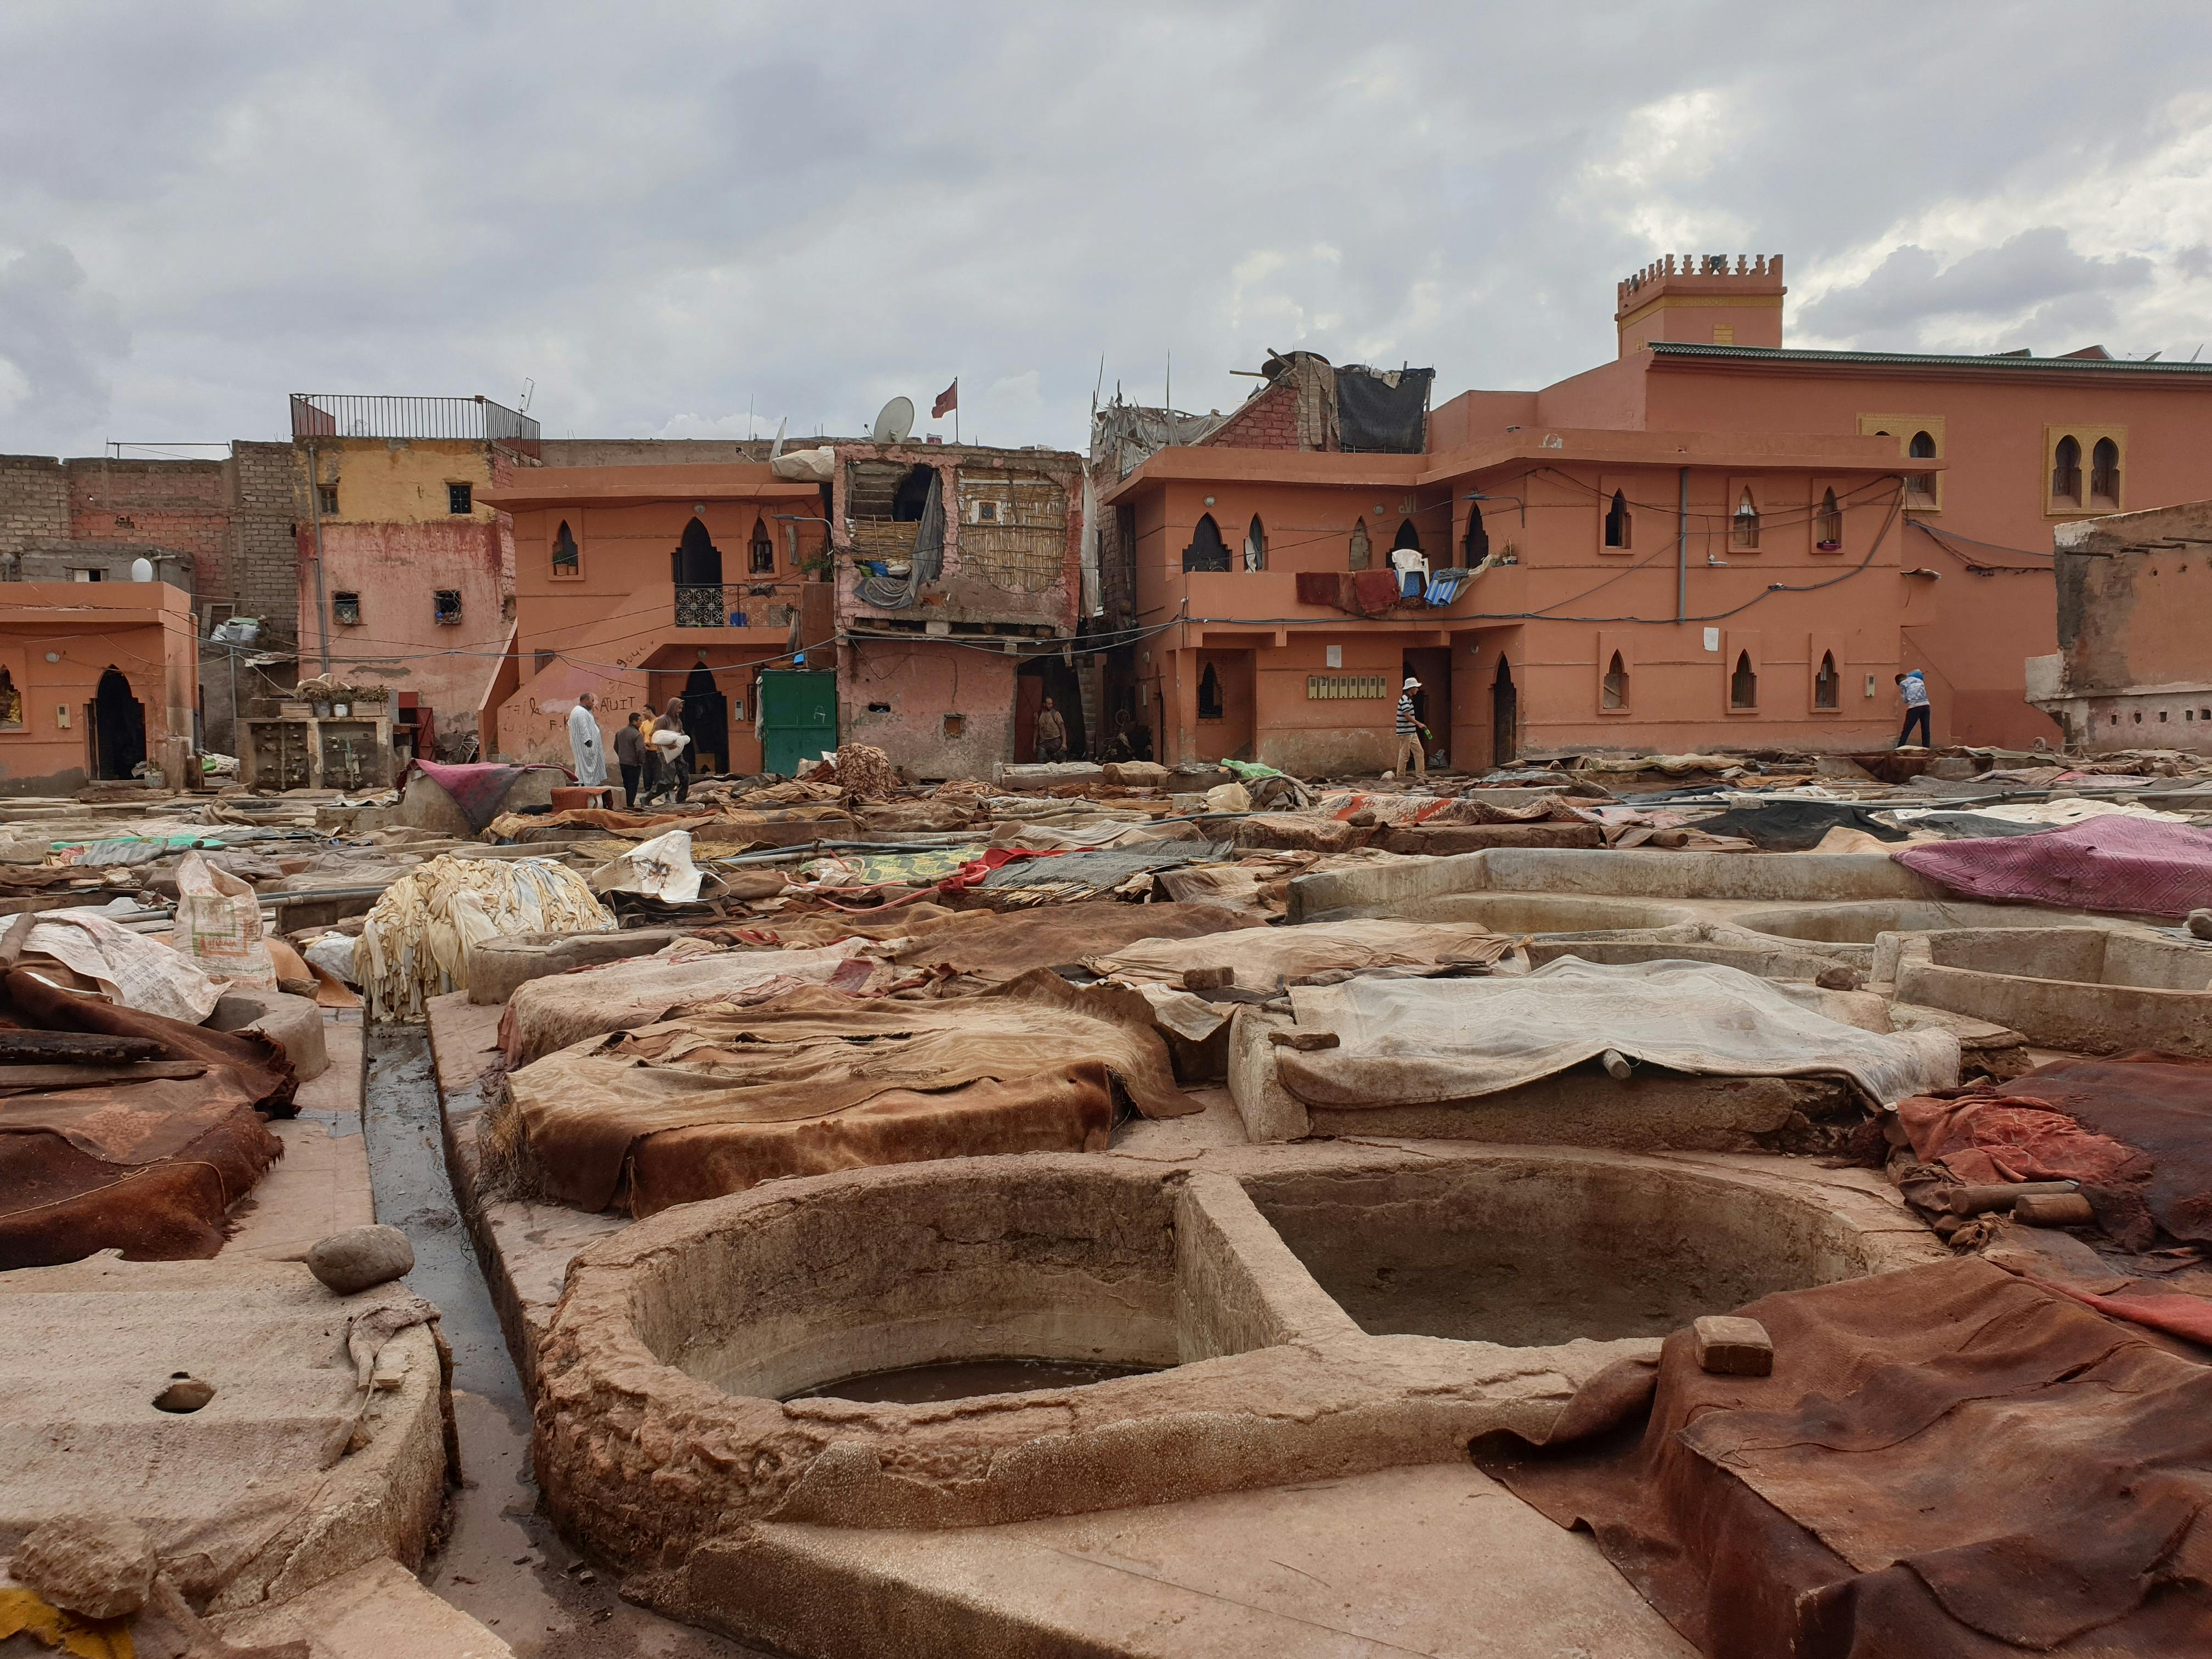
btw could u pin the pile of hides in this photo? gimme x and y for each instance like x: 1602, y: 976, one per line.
x: 2135, y: 1132
x: 133, y: 971
x: 715, y: 1101
x: 1947, y: 1463
x: 1797, y: 826
x: 1261, y: 959
x: 990, y: 947
x: 660, y: 868
x: 417, y: 940
x: 2109, y: 863
x: 553, y: 1013
x: 1260, y: 883
x: 1085, y: 875
x: 1418, y: 1042
x: 123, y: 1130
x: 2027, y: 818
x: 866, y: 773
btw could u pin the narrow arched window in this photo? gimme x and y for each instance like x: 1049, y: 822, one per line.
x: 1613, y: 689
x: 1407, y: 538
x: 1920, y: 487
x: 567, y: 561
x: 1743, y: 684
x: 1207, y: 551
x: 1829, y: 524
x: 1209, y: 695
x: 1476, y: 547
x: 760, y: 556
x: 1827, y: 684
x: 1616, y: 521
x: 2066, y: 472
x: 1744, y: 525
x: 1362, y: 551
x: 2104, y: 473
x: 1255, y: 545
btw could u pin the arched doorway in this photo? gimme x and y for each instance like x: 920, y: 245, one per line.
x: 697, y: 561
x: 1504, y: 716
x: 119, y: 727
x: 706, y: 718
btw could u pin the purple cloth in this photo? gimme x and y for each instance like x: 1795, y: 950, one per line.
x: 2113, y: 863
x: 476, y: 788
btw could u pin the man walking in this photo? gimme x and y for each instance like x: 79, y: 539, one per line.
x: 1915, y: 690
x: 629, y: 756
x: 1051, y: 734
x: 584, y: 743
x: 1412, y: 756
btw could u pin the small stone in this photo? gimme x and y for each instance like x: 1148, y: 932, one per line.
x: 1841, y: 977
x: 2200, y: 924
x: 360, y: 1258
x: 99, y: 1566
x: 1305, y: 1042
x: 184, y: 1394
x: 1733, y: 1347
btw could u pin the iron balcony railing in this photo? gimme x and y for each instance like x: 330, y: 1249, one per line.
x: 731, y: 604
x: 348, y: 414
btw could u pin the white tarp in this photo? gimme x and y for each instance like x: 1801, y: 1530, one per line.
x: 660, y: 868
x: 1415, y: 1041
x: 134, y: 971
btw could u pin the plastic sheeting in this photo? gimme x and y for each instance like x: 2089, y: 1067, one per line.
x: 660, y: 868
x: 1420, y: 1042
x: 135, y: 971
x: 1383, y: 411
x: 2111, y: 863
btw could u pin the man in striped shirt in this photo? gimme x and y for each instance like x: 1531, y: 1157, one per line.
x: 1412, y: 756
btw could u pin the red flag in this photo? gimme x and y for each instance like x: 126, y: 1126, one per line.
x: 947, y: 401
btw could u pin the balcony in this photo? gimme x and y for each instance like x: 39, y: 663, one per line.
x: 730, y: 604
x: 349, y: 415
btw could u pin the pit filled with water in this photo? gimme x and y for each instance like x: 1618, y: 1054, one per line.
x: 960, y: 1379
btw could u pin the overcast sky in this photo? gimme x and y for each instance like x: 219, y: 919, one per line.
x: 666, y: 214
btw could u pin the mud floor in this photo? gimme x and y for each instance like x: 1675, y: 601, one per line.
x: 501, y: 1561
x: 959, y: 1379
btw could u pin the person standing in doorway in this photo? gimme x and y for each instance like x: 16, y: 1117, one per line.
x: 583, y: 745
x: 1914, y: 688
x: 1413, y: 755
x: 671, y: 742
x: 629, y: 756
x: 1051, y: 734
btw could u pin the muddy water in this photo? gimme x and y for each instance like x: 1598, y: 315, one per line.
x: 959, y: 1379
x: 501, y: 1561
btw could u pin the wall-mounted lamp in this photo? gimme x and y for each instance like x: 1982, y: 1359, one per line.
x: 1515, y: 499
x: 1715, y: 560
x: 53, y: 656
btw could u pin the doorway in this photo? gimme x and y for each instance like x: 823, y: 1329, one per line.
x: 1224, y: 704
x: 697, y: 562
x: 1505, y: 715
x: 1038, y: 678
x: 119, y: 727
x: 706, y: 718
x: 1433, y: 702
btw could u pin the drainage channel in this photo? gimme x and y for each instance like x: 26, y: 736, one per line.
x: 501, y: 1561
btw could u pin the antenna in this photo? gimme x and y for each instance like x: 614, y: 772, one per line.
x: 894, y: 421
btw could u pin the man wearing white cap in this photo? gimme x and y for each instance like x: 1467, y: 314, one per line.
x: 1413, y: 756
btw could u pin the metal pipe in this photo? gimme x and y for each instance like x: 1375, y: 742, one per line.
x: 315, y: 514
x: 1682, y: 552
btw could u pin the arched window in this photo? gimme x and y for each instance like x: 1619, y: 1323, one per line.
x: 1744, y: 526
x: 1829, y: 524
x: 1476, y: 547
x: 1920, y: 487
x: 2104, y: 473
x: 1255, y: 545
x: 1827, y: 684
x: 1616, y: 521
x: 1407, y: 536
x: 698, y: 562
x: 11, y: 702
x: 1743, y: 684
x: 1207, y: 551
x: 2066, y: 472
x: 1363, y: 551
x: 1209, y: 695
x: 1613, y: 690
x: 761, y: 551
x: 566, y: 560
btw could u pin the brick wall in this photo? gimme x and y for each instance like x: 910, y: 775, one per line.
x: 33, y: 502
x: 267, y: 517
x: 179, y: 506
x: 1269, y: 421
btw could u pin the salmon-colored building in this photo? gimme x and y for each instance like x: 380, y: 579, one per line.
x: 643, y: 583
x: 1948, y: 474
x: 95, y: 678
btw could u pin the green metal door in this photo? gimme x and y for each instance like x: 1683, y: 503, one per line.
x: 798, y: 718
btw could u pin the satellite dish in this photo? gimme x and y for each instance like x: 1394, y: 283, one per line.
x: 142, y: 570
x: 895, y: 421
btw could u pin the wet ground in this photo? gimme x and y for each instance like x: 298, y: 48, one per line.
x: 958, y: 1379
x: 502, y: 1563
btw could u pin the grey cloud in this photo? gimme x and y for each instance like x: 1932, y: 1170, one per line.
x: 2035, y: 280
x: 57, y: 332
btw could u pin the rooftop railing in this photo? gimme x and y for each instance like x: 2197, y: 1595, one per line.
x: 350, y: 415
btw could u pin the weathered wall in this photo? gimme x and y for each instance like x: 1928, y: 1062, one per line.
x: 941, y: 710
x: 143, y: 630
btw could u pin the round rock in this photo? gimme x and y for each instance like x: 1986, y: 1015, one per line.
x: 361, y: 1257
x: 100, y: 1566
x: 2200, y: 923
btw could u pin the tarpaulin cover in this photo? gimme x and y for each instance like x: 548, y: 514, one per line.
x: 660, y: 868
x: 147, y: 1167
x: 135, y: 971
x: 561, y: 1009
x: 714, y: 1101
x: 1415, y: 1041
x: 478, y: 788
x: 1947, y: 1463
x: 1796, y: 826
x: 2112, y: 863
x: 1259, y: 959
x: 1383, y: 412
